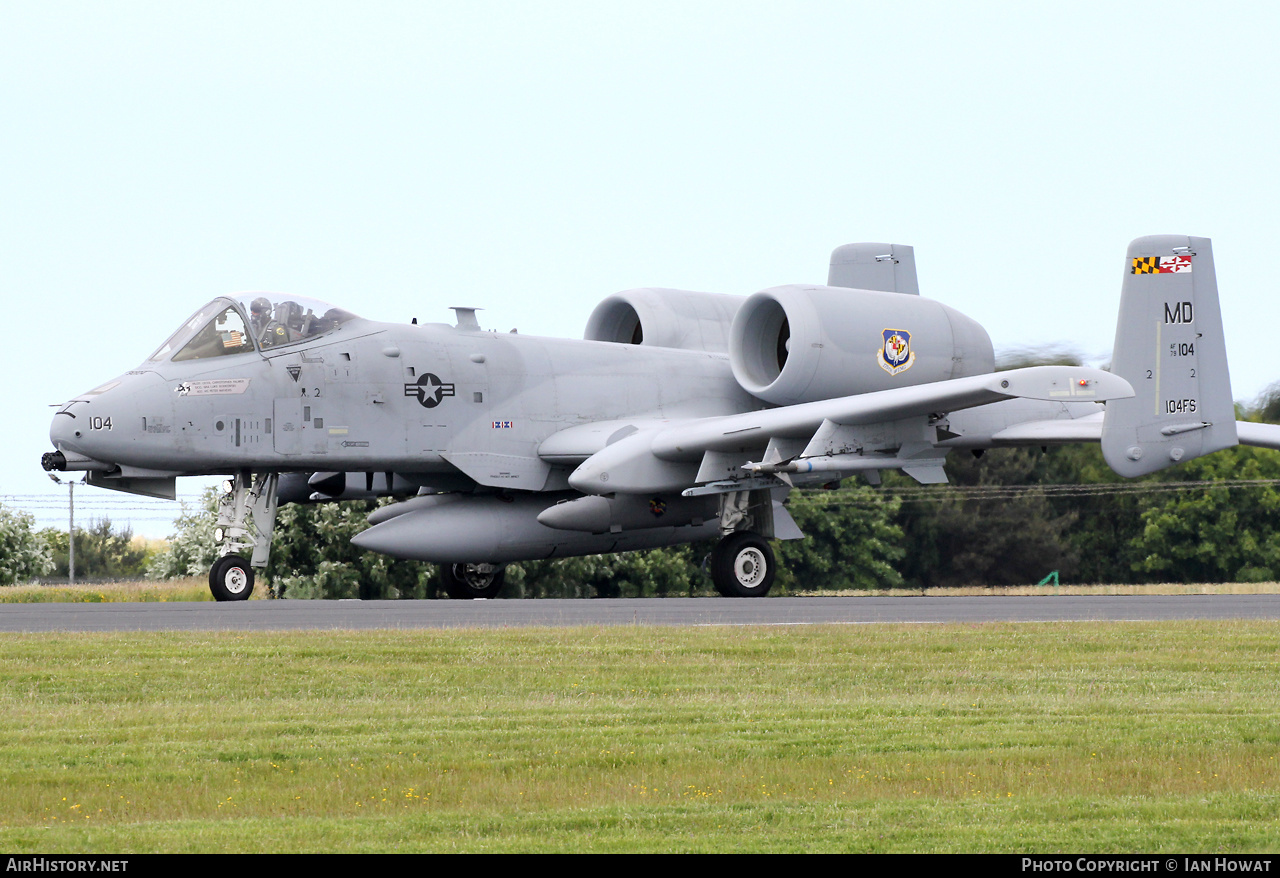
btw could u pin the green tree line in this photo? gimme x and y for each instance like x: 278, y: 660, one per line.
x: 1008, y: 517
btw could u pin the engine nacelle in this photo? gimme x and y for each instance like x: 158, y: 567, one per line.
x: 665, y: 318
x: 797, y: 343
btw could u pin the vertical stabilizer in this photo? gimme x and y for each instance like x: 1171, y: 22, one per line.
x: 1169, y: 346
x: 890, y: 268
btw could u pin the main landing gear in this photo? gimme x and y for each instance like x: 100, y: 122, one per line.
x: 742, y: 564
x: 470, y: 581
x: 246, y: 518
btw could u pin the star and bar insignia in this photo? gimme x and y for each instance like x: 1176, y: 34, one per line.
x: 429, y: 390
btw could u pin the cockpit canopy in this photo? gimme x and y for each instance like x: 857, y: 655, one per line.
x: 248, y: 322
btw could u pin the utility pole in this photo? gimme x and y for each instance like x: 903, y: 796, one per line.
x: 71, y: 534
x: 71, y: 527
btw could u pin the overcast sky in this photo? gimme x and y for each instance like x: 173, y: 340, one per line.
x: 531, y: 158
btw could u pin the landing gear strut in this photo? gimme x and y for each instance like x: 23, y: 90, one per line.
x: 246, y: 518
x: 742, y: 564
x: 470, y: 581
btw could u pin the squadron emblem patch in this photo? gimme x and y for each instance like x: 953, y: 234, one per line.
x: 896, y: 354
x: 1161, y: 265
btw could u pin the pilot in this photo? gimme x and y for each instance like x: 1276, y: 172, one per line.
x: 268, y: 332
x: 289, y: 315
x: 259, y: 314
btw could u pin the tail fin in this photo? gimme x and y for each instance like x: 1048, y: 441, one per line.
x: 887, y: 267
x: 1169, y: 346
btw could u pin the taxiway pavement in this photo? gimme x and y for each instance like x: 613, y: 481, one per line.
x: 357, y: 615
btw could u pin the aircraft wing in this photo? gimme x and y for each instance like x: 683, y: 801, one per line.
x: 1055, y: 383
x: 676, y: 455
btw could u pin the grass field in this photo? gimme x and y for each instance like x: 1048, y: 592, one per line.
x: 1045, y: 737
x: 196, y: 588
x: 192, y: 588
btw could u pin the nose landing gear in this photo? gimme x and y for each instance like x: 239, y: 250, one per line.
x: 231, y: 579
x: 246, y: 519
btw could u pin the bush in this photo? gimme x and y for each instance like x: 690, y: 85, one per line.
x: 102, y: 552
x: 312, y: 557
x: 191, y: 547
x: 24, y: 554
x: 666, y: 572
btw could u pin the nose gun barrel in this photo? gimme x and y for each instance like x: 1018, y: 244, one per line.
x: 57, y: 461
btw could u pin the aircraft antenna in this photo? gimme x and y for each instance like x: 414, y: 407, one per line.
x: 466, y: 316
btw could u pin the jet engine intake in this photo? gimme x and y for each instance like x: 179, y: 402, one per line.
x: 665, y: 318
x: 796, y: 344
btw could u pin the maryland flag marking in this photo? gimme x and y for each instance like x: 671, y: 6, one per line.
x: 1161, y: 265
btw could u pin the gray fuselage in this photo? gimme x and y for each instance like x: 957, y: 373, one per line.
x: 388, y: 397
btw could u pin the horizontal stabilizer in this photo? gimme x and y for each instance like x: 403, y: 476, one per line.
x: 1089, y: 429
x: 1259, y: 435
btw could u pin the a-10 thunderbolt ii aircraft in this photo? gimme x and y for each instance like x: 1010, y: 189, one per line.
x: 681, y: 416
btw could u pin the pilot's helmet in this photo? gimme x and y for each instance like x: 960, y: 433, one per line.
x: 260, y: 308
x: 289, y: 314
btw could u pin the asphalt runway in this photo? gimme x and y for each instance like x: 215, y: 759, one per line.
x: 365, y: 615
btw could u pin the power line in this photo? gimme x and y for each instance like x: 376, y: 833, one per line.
x: 943, y: 493
x: 153, y: 515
